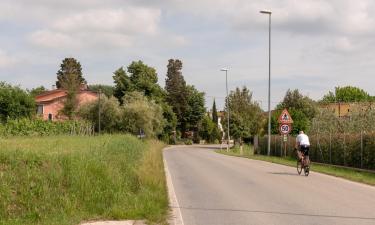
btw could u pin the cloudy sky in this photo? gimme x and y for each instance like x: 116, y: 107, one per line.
x: 316, y: 44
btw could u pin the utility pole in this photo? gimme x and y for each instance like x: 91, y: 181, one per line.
x: 267, y: 12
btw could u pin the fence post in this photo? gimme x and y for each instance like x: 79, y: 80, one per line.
x: 361, y: 148
x: 344, y: 150
x: 275, y: 149
x: 330, y: 148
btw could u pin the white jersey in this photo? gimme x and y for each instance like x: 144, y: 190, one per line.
x: 303, y: 139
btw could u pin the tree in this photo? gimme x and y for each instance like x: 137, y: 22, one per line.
x: 15, y: 103
x: 245, y: 114
x: 69, y: 77
x: 107, y: 90
x: 347, y: 94
x: 110, y: 113
x: 175, y: 86
x: 215, y: 118
x: 208, y: 130
x: 122, y: 84
x: 145, y: 79
x: 195, y: 110
x: 69, y: 67
x: 36, y: 91
x: 302, y: 109
x: 141, y: 114
x: 141, y: 78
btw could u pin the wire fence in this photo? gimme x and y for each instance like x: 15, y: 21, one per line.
x: 342, y: 149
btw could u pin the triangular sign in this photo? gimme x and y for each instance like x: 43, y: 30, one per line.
x: 285, y: 117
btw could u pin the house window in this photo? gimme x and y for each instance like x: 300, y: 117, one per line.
x: 49, y: 116
x: 40, y: 110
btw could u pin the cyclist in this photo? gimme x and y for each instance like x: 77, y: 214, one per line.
x: 303, y: 146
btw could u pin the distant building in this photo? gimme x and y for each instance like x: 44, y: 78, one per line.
x: 50, y: 103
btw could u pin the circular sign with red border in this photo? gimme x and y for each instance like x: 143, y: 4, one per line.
x: 285, y: 128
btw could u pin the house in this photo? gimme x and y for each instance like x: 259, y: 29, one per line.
x: 50, y: 103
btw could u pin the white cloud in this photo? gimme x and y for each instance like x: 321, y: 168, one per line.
x: 6, y: 60
x: 99, y: 29
x: 127, y: 21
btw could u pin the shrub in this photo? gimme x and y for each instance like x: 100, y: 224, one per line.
x: 15, y: 103
x: 38, y: 127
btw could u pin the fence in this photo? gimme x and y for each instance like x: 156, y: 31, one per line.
x: 352, y: 150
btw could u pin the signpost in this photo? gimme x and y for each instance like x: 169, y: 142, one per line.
x: 285, y: 126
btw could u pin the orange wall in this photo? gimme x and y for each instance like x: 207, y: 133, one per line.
x: 56, y: 106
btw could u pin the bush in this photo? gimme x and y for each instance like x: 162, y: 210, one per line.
x: 110, y: 114
x: 38, y: 127
x: 188, y: 142
x: 15, y: 103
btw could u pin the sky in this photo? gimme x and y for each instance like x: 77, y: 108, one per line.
x: 316, y: 44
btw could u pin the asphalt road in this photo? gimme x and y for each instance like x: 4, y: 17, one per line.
x: 214, y: 189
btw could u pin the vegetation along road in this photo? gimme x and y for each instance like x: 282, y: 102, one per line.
x: 217, y: 189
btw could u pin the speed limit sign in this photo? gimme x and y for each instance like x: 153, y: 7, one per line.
x: 285, y: 128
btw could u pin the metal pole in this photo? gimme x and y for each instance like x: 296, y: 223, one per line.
x: 99, y: 128
x: 226, y: 82
x: 269, y: 86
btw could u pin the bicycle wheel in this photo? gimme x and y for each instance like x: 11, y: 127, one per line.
x: 299, y: 166
x: 306, y: 169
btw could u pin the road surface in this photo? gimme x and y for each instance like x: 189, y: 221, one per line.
x: 214, y: 189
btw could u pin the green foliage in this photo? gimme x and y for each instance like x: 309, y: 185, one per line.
x: 122, y: 84
x: 302, y: 109
x: 245, y: 114
x: 142, y: 114
x: 215, y: 118
x: 70, y: 78
x: 110, y: 113
x: 142, y: 78
x: 175, y: 86
x: 38, y: 127
x: 170, y: 123
x: 15, y: 103
x: 70, y: 71
x: 208, y: 130
x: 347, y: 94
x: 107, y: 90
x: 195, y: 110
x: 36, y: 91
x: 67, y: 180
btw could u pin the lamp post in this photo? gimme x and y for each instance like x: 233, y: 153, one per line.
x: 226, y: 85
x: 269, y: 79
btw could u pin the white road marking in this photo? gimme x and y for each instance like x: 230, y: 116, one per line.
x: 176, y: 211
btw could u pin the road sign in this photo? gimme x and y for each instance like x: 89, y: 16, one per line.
x: 285, y: 128
x: 285, y: 117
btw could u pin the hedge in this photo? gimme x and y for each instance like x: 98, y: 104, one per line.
x: 38, y: 127
x: 338, y: 149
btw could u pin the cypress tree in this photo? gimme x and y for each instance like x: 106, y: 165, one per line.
x: 175, y: 86
x: 214, y: 113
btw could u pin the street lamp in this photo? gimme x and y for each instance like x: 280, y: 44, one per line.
x: 226, y: 85
x: 269, y: 79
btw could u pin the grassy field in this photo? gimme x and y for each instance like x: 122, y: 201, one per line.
x: 67, y: 180
x: 349, y: 174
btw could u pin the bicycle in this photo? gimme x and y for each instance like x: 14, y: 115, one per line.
x: 302, y: 163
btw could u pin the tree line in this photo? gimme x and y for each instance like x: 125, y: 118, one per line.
x: 137, y: 104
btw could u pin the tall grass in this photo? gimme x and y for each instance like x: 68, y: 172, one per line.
x: 69, y: 179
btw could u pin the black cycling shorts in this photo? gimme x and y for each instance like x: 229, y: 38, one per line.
x: 305, y: 149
